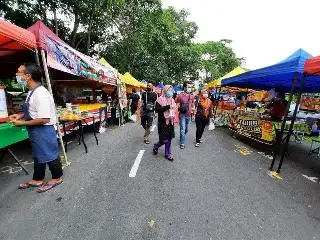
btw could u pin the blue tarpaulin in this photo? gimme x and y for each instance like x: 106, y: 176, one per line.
x: 176, y: 88
x: 279, y: 76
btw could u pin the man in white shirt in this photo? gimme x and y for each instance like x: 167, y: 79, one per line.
x: 40, y: 119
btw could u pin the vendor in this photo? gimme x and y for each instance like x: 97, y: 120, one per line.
x: 39, y: 118
x: 278, y: 107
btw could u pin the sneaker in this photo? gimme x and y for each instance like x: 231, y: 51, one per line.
x: 182, y: 146
x: 155, y: 151
x: 197, y: 145
x: 200, y: 141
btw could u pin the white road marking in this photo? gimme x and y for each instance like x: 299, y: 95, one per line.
x: 136, y: 164
x: 153, y: 128
x: 312, y: 179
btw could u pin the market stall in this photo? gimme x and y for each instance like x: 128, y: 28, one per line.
x: 14, y: 41
x: 284, y: 77
x: 67, y: 69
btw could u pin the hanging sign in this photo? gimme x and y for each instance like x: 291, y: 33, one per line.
x: 62, y: 57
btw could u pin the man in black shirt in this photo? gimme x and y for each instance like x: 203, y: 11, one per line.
x: 148, y: 102
x: 134, y: 101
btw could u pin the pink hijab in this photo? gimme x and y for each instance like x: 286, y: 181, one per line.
x: 163, y: 100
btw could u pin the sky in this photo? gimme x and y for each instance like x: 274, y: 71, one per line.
x: 264, y: 32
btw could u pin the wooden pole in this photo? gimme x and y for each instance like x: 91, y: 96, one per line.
x: 46, y: 73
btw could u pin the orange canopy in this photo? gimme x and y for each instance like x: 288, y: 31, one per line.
x: 13, y: 37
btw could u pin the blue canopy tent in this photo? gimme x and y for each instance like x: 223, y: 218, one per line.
x: 286, y: 76
x: 176, y: 88
x: 279, y: 76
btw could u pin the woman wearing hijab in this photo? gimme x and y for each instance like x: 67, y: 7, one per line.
x: 203, y: 113
x: 166, y: 109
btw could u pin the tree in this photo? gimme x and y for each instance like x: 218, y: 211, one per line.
x: 217, y: 58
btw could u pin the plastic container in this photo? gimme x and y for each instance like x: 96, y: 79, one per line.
x: 3, y: 105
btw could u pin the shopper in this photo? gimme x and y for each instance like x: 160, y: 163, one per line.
x: 185, y: 102
x: 40, y: 119
x: 166, y: 109
x: 134, y: 101
x: 148, y: 101
x: 203, y: 114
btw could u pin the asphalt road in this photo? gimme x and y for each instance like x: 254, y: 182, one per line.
x: 218, y: 191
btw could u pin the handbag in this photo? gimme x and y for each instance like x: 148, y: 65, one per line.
x: 149, y: 106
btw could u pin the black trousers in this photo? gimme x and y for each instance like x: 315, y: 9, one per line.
x: 55, y: 168
x: 200, y: 125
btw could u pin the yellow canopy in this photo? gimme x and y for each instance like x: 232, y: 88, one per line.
x: 128, y: 79
x: 234, y: 72
x: 104, y: 62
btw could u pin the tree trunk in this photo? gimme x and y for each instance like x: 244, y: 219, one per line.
x: 75, y: 28
x: 90, y: 27
x: 55, y: 20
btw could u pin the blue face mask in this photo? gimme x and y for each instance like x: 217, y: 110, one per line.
x: 169, y: 94
x: 21, y: 82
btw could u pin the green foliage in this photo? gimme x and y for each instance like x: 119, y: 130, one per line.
x: 218, y: 58
x: 137, y: 36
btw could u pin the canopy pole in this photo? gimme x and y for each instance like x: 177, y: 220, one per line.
x: 38, y: 62
x: 119, y: 105
x: 46, y: 73
x: 291, y: 124
x: 283, y: 124
x: 216, y: 107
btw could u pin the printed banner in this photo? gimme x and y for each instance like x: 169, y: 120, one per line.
x: 62, y: 57
x: 253, y: 127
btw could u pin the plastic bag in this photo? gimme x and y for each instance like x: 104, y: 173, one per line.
x: 211, y: 125
x: 133, y: 117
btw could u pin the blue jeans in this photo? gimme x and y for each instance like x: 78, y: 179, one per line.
x: 184, y: 126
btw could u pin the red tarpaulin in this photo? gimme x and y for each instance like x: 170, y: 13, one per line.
x: 312, y: 66
x: 13, y: 37
x: 62, y: 57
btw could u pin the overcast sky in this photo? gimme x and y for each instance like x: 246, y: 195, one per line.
x: 264, y: 32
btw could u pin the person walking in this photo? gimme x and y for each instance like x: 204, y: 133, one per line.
x: 185, y: 103
x: 203, y: 113
x: 166, y: 109
x: 148, y: 101
x: 134, y: 101
x: 39, y: 118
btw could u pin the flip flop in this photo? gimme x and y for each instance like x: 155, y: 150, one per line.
x: 48, y: 186
x: 28, y: 185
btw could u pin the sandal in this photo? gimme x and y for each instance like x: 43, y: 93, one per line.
x: 48, y: 186
x: 171, y: 159
x: 155, y: 151
x: 28, y: 185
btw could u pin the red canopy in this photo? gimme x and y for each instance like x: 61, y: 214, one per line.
x: 13, y: 37
x: 40, y: 30
x: 312, y: 66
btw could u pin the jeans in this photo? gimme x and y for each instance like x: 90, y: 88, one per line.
x: 184, y: 127
x: 200, y: 124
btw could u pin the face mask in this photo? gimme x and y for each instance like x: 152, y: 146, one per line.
x: 149, y: 89
x: 21, y: 82
x: 205, y: 95
x: 188, y: 90
x: 169, y: 94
